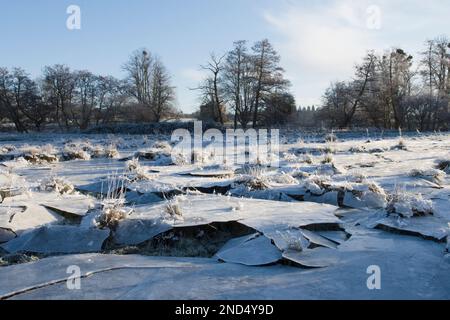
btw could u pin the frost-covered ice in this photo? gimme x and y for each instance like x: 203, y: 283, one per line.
x: 133, y: 220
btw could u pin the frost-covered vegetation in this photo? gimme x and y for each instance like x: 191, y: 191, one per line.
x: 327, y: 202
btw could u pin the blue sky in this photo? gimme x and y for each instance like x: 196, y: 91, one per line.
x: 319, y: 41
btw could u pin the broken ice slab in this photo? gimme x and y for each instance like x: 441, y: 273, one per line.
x: 70, y: 205
x: 76, y: 172
x: 268, y: 217
x: 426, y: 226
x: 58, y: 239
x: 313, y: 258
x: 300, y: 193
x: 299, y: 239
x: 6, y: 192
x: 286, y: 239
x: 212, y: 173
x: 143, y: 277
x: 285, y: 215
x: 19, y: 219
x: 102, y: 187
x: 409, y: 184
x: 318, y: 240
x: 366, y: 200
x: 261, y: 215
x: 441, y: 208
x: 170, y: 183
x: 29, y: 197
x: 135, y: 231
x: 193, y: 210
x: 331, y: 197
x: 137, y: 198
x: 6, y: 235
x: 335, y: 236
x: 252, y: 250
x: 7, y: 213
x: 354, y: 217
x: 54, y: 269
x: 97, y: 188
x: 335, y: 193
x: 268, y: 194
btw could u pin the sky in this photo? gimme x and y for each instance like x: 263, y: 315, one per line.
x: 319, y: 41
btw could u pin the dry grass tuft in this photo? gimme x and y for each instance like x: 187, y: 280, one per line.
x: 113, y: 205
x: 254, y: 178
x: 283, y: 178
x: 75, y: 153
x: 328, y: 158
x: 401, y: 145
x: 408, y: 205
x: 109, y: 152
x: 172, y: 210
x: 136, y: 172
x: 40, y: 155
x: 58, y: 185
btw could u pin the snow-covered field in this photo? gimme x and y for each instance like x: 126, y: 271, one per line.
x: 136, y: 225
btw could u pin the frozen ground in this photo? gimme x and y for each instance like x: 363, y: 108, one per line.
x: 138, y: 226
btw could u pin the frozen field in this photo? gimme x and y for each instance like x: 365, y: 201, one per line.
x: 136, y: 225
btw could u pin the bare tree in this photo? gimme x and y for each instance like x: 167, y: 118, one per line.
x: 139, y: 75
x: 250, y: 79
x: 343, y: 100
x: 441, y: 54
x: 236, y: 82
x: 396, y: 80
x: 12, y: 88
x: 85, y: 98
x: 337, y: 104
x: 435, y: 71
x: 163, y: 94
x: 59, y: 86
x: 385, y: 92
x: 211, y: 87
x: 267, y: 72
x: 149, y: 83
x: 365, y: 73
x: 111, y: 95
x: 33, y: 107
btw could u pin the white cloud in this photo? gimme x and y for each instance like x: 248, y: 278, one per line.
x: 320, y: 43
x: 327, y: 39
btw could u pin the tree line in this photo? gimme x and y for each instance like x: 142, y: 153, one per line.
x: 244, y: 87
x: 249, y: 83
x: 77, y: 99
x: 390, y: 91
